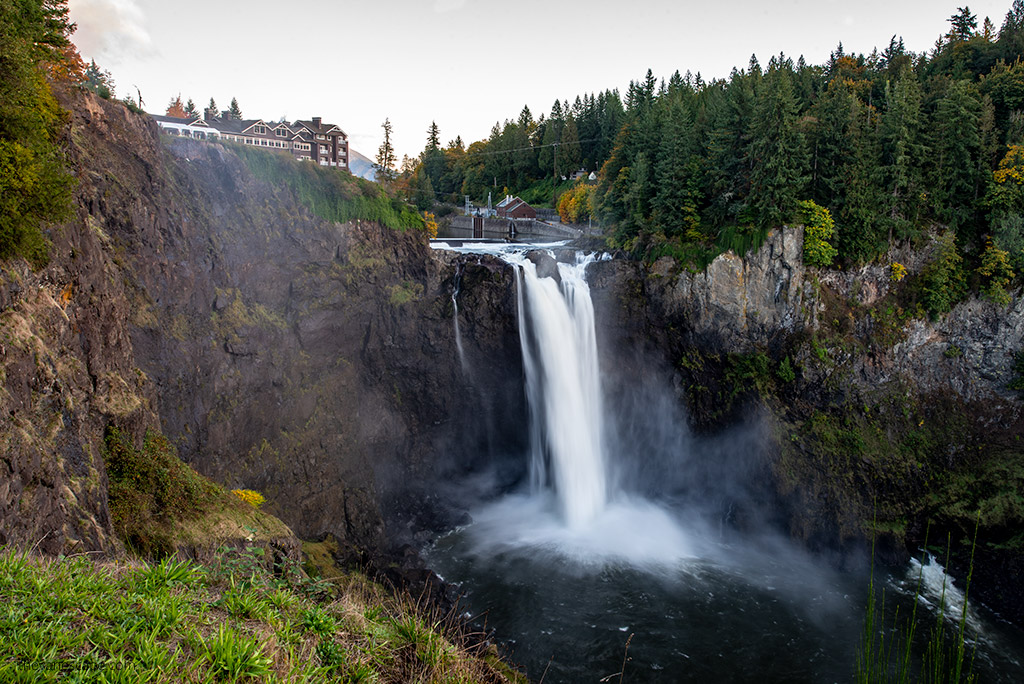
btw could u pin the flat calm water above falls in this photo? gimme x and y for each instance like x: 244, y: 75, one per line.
x: 608, y: 561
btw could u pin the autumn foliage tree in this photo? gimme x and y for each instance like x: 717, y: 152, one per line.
x: 175, y: 108
x: 574, y: 205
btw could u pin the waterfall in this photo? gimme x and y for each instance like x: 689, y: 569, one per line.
x: 559, y: 343
x: 455, y: 316
x: 574, y: 508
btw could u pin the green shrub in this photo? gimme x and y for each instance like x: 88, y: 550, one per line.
x: 149, y: 487
x: 786, y: 372
x: 996, y: 274
x: 819, y: 232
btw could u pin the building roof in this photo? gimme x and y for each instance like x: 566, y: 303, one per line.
x: 318, y: 127
x: 515, y: 204
x: 233, y: 126
x: 188, y: 121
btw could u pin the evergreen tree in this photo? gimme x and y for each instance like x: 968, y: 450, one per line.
x: 676, y: 201
x: 423, y: 189
x: 956, y: 144
x: 99, y: 80
x: 525, y: 156
x: 546, y: 153
x: 569, y: 157
x: 610, y: 117
x: 433, y: 161
x: 832, y: 147
x: 1011, y: 35
x: 728, y: 175
x: 988, y: 30
x: 190, y: 108
x: 211, y: 109
x: 776, y: 149
x: 386, y: 155
x: 903, y: 152
x: 963, y: 25
x: 860, y: 228
x: 235, y: 112
x: 34, y: 185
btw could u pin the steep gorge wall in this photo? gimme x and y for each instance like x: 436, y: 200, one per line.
x: 310, y: 360
x: 880, y: 422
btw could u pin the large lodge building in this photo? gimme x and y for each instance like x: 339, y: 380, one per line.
x: 323, y: 144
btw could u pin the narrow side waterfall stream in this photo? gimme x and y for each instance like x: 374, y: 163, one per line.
x: 617, y: 536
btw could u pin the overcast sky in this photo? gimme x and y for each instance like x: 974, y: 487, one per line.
x: 464, y: 63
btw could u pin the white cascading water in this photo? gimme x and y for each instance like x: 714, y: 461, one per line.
x: 556, y: 330
x: 572, y: 510
x: 455, y: 317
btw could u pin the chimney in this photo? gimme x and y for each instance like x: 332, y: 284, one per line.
x: 208, y: 114
x: 226, y: 116
x: 316, y: 121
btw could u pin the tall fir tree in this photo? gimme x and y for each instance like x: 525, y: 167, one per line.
x: 777, y: 154
x: 676, y: 202
x: 569, y: 156
x: 963, y: 25
x: 1011, y: 35
x: 235, y: 112
x: 433, y: 136
x: 903, y: 153
x: 386, y: 155
x: 728, y: 174
x: 956, y: 144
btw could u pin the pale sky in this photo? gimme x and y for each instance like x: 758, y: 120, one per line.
x: 464, y: 63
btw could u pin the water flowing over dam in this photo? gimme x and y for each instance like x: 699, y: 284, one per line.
x: 556, y: 329
x: 617, y: 534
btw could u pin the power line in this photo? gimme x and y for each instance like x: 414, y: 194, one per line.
x: 531, y: 147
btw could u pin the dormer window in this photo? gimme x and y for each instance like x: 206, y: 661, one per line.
x: 259, y: 130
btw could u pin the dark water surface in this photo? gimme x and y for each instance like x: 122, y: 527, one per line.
x: 748, y: 616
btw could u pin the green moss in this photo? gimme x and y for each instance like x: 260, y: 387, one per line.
x: 404, y: 293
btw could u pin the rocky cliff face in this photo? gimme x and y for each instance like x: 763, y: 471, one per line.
x: 768, y: 301
x: 310, y: 360
x: 879, y: 420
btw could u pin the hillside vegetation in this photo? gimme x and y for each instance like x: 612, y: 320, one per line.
x: 893, y: 144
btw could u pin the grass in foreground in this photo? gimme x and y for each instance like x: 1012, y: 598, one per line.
x: 73, y: 620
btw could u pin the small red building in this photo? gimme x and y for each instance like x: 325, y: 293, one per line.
x: 515, y: 208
